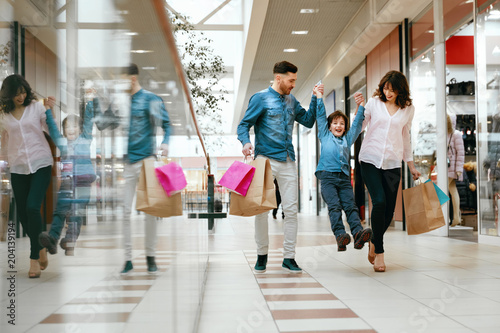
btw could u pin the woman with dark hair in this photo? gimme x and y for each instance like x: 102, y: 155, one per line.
x: 29, y: 156
x: 388, y: 115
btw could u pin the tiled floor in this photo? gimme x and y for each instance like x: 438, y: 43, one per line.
x: 432, y: 284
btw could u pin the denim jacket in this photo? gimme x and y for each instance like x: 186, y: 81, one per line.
x: 273, y: 116
x: 76, y: 152
x: 335, y: 151
x: 147, y: 112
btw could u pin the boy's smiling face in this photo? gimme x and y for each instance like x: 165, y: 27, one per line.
x: 337, y: 127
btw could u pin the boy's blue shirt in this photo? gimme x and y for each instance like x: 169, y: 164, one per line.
x: 147, y: 112
x: 273, y: 116
x: 334, y: 150
x: 78, y: 151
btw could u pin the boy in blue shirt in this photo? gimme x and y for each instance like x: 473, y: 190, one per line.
x: 77, y: 176
x: 334, y: 171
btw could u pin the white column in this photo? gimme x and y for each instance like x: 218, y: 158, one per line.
x: 71, y: 56
x: 441, y: 121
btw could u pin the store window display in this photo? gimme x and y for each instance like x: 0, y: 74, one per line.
x: 488, y: 113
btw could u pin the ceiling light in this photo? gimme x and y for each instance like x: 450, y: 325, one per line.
x: 166, y: 95
x: 141, y: 51
x: 308, y: 11
x: 131, y: 33
x: 299, y: 32
x: 430, y: 31
x: 290, y: 50
x: 168, y: 102
x: 151, y: 68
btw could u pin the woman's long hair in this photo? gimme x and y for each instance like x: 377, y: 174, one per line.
x: 11, y: 86
x: 399, y: 85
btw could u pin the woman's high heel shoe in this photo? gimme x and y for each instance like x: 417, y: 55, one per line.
x: 371, y: 257
x: 34, y: 271
x: 377, y: 267
x: 44, y: 260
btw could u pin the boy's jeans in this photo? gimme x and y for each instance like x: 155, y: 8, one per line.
x: 336, y: 190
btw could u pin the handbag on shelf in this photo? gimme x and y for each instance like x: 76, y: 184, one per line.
x: 453, y: 87
x: 461, y: 88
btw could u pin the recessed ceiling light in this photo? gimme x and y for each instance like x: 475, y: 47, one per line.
x: 166, y: 95
x: 168, y: 102
x: 131, y: 33
x: 141, y: 51
x: 151, y: 68
x: 290, y: 50
x: 299, y: 32
x: 308, y: 11
x: 430, y: 31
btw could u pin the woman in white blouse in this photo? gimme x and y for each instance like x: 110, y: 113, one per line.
x: 388, y: 116
x: 30, y: 159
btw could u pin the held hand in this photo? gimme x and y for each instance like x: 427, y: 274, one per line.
x: 360, y: 100
x: 49, y: 102
x: 247, y: 149
x: 164, y: 149
x: 319, y: 90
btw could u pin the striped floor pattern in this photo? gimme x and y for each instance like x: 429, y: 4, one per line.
x: 299, y: 303
x: 113, y: 299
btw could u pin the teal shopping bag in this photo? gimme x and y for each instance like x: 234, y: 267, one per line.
x: 443, y: 198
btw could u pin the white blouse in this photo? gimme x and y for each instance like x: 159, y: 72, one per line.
x: 387, y: 139
x: 27, y: 148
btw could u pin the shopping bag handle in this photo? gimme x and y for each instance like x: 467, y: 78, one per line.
x: 420, y: 180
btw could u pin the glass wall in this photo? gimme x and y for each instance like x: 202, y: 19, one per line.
x: 76, y: 51
x: 488, y: 115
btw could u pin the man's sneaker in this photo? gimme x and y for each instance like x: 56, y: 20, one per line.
x: 361, y: 237
x: 48, y: 242
x: 68, y: 245
x: 128, y: 268
x: 291, y: 266
x: 152, y: 268
x: 342, y: 241
x: 260, y: 265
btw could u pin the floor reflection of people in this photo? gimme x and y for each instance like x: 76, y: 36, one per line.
x: 147, y: 111
x: 30, y: 159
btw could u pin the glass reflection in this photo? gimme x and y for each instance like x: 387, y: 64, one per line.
x: 488, y: 69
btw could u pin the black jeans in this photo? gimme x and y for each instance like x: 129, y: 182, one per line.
x: 29, y: 192
x: 383, y: 187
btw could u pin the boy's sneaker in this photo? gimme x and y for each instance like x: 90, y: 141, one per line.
x: 128, y: 268
x: 260, y: 265
x: 291, y: 266
x: 68, y: 246
x: 361, y: 237
x: 342, y: 242
x: 152, y: 268
x: 48, y: 242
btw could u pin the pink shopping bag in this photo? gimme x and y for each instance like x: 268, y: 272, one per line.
x: 171, y: 178
x: 238, y: 177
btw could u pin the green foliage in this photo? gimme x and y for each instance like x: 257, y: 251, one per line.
x: 203, y: 69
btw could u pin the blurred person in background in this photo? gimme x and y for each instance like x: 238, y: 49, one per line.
x: 30, y: 159
x: 147, y: 112
x: 456, y: 158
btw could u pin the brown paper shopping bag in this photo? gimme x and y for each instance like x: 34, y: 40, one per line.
x: 151, y: 197
x: 260, y: 197
x: 422, y: 209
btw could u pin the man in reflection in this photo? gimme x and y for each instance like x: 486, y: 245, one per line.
x: 272, y: 112
x: 147, y: 112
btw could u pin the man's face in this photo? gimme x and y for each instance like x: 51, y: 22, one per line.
x: 286, y: 82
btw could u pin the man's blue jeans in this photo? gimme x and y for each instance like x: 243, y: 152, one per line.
x: 336, y: 190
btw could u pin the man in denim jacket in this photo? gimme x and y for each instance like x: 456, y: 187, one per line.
x: 273, y: 112
x: 147, y: 112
